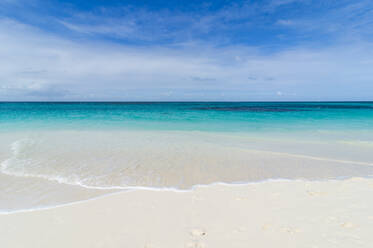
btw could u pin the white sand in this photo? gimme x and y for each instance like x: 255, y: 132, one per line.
x: 270, y: 214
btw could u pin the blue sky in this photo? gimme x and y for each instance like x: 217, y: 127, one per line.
x: 186, y: 50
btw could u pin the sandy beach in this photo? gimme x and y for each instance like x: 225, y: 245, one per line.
x: 268, y: 214
x: 186, y: 124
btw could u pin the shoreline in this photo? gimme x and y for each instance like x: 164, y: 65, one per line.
x: 290, y: 213
x: 129, y: 189
x: 123, y: 190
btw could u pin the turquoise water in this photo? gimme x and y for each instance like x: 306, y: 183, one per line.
x: 55, y: 153
x: 229, y: 117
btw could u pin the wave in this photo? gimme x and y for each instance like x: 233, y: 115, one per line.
x: 362, y: 143
x: 163, y: 189
x: 111, y: 164
x: 176, y: 190
x: 22, y: 164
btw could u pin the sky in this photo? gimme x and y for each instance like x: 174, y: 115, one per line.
x: 137, y: 50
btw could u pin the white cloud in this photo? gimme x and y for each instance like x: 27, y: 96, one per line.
x: 285, y: 22
x: 139, y: 23
x: 276, y: 3
x: 349, y: 20
x: 38, y: 66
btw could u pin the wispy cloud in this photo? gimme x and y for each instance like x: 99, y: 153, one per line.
x: 270, y: 23
x: 137, y: 24
x: 342, y: 22
x: 123, y: 30
x: 285, y: 22
x: 239, y: 51
x: 35, y: 66
x: 273, y: 4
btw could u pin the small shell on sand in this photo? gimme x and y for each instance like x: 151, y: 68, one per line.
x: 347, y: 225
x: 197, y: 233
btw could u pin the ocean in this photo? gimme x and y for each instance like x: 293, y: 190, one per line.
x: 55, y: 153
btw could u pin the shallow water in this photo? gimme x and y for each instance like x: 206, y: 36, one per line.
x: 54, y: 153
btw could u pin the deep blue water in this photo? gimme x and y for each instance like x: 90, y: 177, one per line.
x: 199, y: 116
